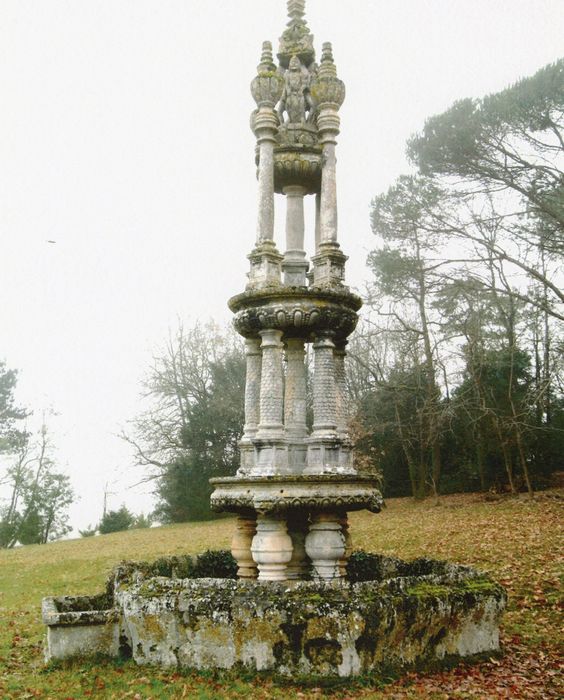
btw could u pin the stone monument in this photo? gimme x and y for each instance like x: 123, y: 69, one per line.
x: 295, y: 485
x: 292, y: 609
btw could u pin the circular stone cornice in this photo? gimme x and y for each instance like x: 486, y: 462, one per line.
x: 279, y: 494
x: 296, y: 311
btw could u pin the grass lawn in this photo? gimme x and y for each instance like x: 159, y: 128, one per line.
x: 514, y: 539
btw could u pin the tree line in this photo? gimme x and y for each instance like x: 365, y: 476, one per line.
x: 34, y: 510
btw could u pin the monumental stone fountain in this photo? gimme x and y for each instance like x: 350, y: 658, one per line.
x: 292, y: 608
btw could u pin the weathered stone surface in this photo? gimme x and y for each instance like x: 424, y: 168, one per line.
x: 327, y: 629
x: 80, y: 626
x: 279, y: 494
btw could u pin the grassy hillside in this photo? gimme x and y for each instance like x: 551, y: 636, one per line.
x: 514, y: 539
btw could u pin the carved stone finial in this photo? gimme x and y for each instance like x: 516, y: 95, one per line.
x: 296, y: 9
x: 266, y: 64
x: 327, y: 68
x: 326, y: 87
x: 267, y: 87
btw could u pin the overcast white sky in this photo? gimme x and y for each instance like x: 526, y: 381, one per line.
x: 124, y: 137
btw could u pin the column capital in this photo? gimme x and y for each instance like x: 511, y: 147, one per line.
x: 324, y: 339
x: 252, y: 346
x: 271, y: 338
x: 295, y: 191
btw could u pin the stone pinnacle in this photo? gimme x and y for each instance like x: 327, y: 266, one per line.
x: 296, y: 9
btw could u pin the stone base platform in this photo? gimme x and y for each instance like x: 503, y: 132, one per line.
x: 414, y: 614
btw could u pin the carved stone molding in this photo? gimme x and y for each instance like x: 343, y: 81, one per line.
x: 298, y: 312
x: 279, y: 494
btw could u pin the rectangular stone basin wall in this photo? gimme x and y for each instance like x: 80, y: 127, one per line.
x: 308, y: 627
x: 80, y: 626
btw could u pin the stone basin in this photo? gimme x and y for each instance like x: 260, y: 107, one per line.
x: 80, y: 626
x: 410, y: 615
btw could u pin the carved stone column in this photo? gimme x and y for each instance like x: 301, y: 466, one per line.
x: 324, y: 387
x: 329, y: 93
x: 341, y: 390
x: 295, y: 265
x: 271, y: 548
x: 317, y: 221
x: 328, y: 207
x: 295, y: 398
x: 266, y: 89
x: 245, y: 530
x: 271, y: 386
x: 325, y: 545
x: 253, y: 355
x: 252, y: 405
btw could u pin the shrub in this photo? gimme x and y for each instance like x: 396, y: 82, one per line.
x: 116, y: 521
x: 218, y: 563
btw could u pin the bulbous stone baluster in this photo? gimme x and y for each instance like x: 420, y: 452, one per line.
x: 299, y: 564
x: 325, y: 545
x: 271, y: 548
x: 344, y: 522
x: 245, y: 530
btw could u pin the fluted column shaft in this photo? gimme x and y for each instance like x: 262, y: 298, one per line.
x: 252, y: 387
x: 295, y: 398
x: 324, y: 388
x: 271, y: 385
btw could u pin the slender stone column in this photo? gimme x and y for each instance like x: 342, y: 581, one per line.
x: 252, y: 387
x: 328, y: 206
x: 265, y: 130
x: 341, y: 390
x: 295, y: 398
x: 324, y: 388
x: 245, y: 530
x: 317, y: 222
x: 295, y: 265
x: 271, y: 548
x: 271, y: 386
x: 266, y: 89
x: 329, y: 261
x: 325, y: 545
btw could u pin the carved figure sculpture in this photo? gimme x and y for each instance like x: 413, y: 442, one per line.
x: 296, y: 99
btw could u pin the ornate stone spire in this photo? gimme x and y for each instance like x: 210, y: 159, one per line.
x: 296, y: 39
x: 296, y: 10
